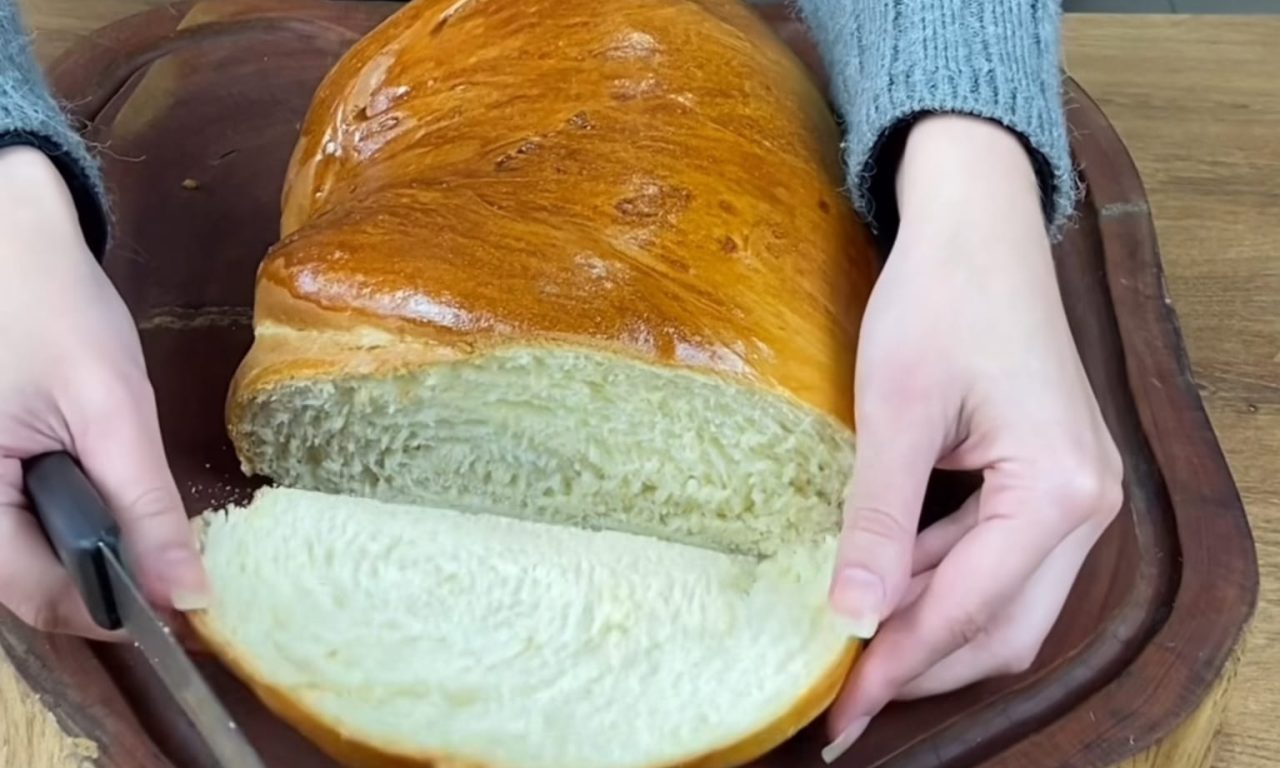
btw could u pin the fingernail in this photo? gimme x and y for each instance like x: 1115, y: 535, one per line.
x: 835, y: 749
x: 183, y: 600
x: 858, y: 599
x: 861, y: 630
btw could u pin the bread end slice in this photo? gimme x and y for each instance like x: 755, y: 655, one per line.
x: 393, y: 635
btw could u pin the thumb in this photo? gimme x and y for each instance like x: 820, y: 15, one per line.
x: 881, y: 516
x: 121, y: 452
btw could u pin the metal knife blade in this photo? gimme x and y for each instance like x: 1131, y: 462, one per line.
x: 175, y: 669
x: 85, y: 537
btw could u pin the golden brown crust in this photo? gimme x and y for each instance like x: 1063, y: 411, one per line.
x: 351, y: 751
x: 658, y: 179
x: 805, y: 710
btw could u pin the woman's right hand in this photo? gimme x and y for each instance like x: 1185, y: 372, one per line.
x: 72, y: 378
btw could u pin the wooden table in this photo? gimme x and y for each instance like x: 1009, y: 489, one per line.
x: 1197, y: 100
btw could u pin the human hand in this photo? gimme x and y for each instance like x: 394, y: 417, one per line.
x: 965, y: 362
x: 73, y: 379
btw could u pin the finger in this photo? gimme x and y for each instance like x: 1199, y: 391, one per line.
x: 1019, y: 631
x: 936, y: 541
x: 919, y: 583
x: 33, y: 583
x: 985, y: 569
x: 118, y: 443
x: 882, y: 512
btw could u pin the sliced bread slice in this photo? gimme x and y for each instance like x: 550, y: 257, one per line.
x: 396, y: 635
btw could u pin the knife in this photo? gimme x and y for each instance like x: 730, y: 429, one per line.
x: 86, y: 540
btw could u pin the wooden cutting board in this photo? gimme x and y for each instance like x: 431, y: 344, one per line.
x: 195, y: 108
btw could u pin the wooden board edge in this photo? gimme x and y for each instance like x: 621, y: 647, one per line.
x: 149, y: 35
x: 1193, y: 743
x: 96, y: 726
x: 29, y: 733
x: 1217, y: 556
x: 1220, y: 571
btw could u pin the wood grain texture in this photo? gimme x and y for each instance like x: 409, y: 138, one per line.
x: 57, y: 24
x: 1194, y: 743
x: 1140, y: 103
x: 30, y: 734
x: 1196, y: 101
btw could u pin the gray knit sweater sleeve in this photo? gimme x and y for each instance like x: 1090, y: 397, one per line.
x: 893, y: 61
x: 28, y: 115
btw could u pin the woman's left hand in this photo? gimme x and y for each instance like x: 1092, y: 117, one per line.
x: 966, y: 362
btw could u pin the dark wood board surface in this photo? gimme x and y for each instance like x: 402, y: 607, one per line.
x: 196, y: 108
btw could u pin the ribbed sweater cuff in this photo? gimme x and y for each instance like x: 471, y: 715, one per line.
x: 29, y: 116
x: 893, y: 61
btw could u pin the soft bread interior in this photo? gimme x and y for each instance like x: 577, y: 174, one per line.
x: 571, y: 436
x: 502, y: 642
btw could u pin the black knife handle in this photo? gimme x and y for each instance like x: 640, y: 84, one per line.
x: 77, y: 522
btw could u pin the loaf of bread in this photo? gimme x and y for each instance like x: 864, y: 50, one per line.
x: 584, y: 264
